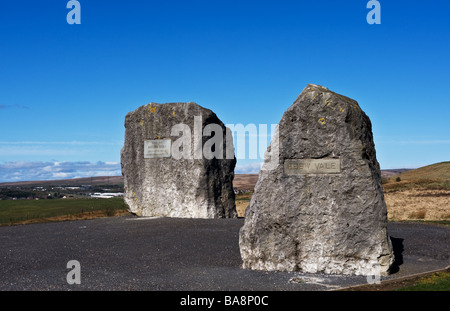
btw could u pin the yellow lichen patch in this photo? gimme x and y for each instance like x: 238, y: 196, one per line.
x: 322, y: 121
x: 341, y: 109
x: 134, y: 193
x: 173, y: 113
x: 141, y: 122
x: 152, y: 109
x: 159, y: 137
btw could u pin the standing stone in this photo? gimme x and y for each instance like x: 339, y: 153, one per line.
x: 174, y: 166
x: 321, y: 208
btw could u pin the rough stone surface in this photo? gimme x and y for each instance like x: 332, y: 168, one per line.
x: 188, y: 187
x: 319, y: 222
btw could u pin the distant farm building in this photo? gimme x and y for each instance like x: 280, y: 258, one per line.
x: 106, y: 195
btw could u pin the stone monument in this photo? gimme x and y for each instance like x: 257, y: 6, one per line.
x: 321, y: 208
x: 178, y: 161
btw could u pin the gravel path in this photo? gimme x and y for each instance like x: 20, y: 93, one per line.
x: 128, y: 253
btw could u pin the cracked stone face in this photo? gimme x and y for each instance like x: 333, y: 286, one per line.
x: 321, y: 207
x: 166, y: 169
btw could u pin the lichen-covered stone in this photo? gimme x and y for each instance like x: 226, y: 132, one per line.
x: 186, y: 185
x: 328, y: 216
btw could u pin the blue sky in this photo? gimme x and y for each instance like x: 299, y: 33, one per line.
x: 65, y: 89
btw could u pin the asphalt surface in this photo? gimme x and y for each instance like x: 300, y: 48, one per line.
x: 129, y: 253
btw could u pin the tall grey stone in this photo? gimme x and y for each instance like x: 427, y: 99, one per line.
x: 321, y: 207
x: 174, y: 162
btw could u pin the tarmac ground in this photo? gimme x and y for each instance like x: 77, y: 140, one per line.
x: 173, y: 254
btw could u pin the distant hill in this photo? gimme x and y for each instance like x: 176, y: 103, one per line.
x: 242, y: 181
x: 393, y: 172
x: 100, y: 180
x: 245, y: 181
x: 436, y: 172
x: 434, y: 176
x: 439, y: 171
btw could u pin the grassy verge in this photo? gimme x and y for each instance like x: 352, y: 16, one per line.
x: 29, y: 211
x: 431, y: 281
x: 439, y: 281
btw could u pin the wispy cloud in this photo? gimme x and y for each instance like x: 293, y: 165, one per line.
x: 24, y: 171
x: 54, y: 149
x: 14, y: 106
x: 249, y: 168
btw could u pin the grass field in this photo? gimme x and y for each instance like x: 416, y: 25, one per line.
x: 29, y: 211
x: 420, y: 194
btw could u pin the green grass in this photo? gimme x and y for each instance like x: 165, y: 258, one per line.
x: 17, y: 211
x: 439, y: 281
